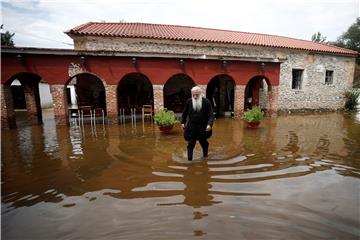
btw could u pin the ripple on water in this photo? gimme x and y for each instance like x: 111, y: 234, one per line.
x: 297, y: 169
x: 164, y: 174
x: 236, y: 168
x: 302, y: 170
x: 228, y: 161
x: 161, y: 186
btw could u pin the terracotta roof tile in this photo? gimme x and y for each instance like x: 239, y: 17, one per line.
x: 185, y: 33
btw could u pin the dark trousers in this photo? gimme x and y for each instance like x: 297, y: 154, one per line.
x: 191, y: 145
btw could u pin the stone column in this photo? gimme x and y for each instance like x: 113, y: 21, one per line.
x: 158, y: 97
x: 8, y: 119
x: 58, y: 93
x: 111, y: 104
x: 239, y: 101
x: 273, y: 101
x: 32, y: 99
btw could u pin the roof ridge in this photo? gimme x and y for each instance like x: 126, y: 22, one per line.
x: 207, y: 28
x: 298, y: 43
x: 186, y: 26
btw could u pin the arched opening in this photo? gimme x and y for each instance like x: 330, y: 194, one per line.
x: 134, y: 91
x: 176, y: 91
x: 23, y: 99
x: 220, y: 91
x: 256, y: 92
x: 86, y: 89
x: 18, y: 95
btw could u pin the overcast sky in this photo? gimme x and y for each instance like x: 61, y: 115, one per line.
x: 41, y: 23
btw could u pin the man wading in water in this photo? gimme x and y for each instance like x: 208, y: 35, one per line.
x: 197, y: 121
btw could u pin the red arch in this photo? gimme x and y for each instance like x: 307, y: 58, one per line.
x: 89, y: 73
x: 23, y: 77
x: 253, y: 89
x: 55, y: 68
x: 147, y: 100
x: 176, y: 101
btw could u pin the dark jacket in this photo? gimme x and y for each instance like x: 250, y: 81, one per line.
x: 196, y: 122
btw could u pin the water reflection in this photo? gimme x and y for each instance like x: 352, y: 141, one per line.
x: 49, y: 135
x: 301, y: 164
x: 292, y: 146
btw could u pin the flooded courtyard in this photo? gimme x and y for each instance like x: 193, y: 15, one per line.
x: 296, y: 177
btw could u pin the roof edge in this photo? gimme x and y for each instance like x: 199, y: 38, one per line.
x: 72, y: 52
x: 345, y: 51
x: 77, y: 28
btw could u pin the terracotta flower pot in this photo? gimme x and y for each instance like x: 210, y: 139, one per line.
x: 166, y: 129
x: 252, y: 124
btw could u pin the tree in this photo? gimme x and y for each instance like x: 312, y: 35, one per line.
x: 316, y: 37
x: 351, y: 38
x: 6, y: 38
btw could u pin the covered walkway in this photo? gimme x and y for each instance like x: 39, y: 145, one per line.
x: 114, y: 80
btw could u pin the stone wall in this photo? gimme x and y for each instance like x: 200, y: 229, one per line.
x: 314, y: 93
x: 357, y: 74
x: 173, y: 47
x: 8, y: 119
x: 111, y: 103
x: 32, y: 99
x: 239, y: 100
x: 158, y: 97
x: 263, y: 95
x: 60, y: 104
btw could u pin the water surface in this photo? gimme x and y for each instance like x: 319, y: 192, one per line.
x: 297, y: 177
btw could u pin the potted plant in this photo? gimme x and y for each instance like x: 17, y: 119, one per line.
x: 253, y: 117
x: 165, y: 119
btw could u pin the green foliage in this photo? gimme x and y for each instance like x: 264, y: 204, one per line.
x: 352, y: 98
x: 6, y: 38
x: 357, y: 85
x: 351, y: 38
x: 255, y: 114
x: 165, y: 118
x: 317, y: 37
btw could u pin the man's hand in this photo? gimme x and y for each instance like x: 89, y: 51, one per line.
x: 183, y: 126
x: 208, y: 128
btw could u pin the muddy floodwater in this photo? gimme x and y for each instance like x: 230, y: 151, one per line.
x: 296, y: 177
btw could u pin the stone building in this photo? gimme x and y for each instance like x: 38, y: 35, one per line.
x: 312, y: 75
x: 127, y: 65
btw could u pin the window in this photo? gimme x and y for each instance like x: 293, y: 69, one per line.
x: 296, y: 78
x: 329, y: 77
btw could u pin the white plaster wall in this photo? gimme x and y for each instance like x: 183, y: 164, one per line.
x: 45, y: 95
x: 72, y: 94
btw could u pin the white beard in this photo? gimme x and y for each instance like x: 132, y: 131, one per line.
x: 197, y: 104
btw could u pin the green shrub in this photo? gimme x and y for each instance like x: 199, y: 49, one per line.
x: 254, y: 115
x: 352, y: 98
x: 165, y: 118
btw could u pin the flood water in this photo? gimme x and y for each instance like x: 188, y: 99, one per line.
x: 297, y: 177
